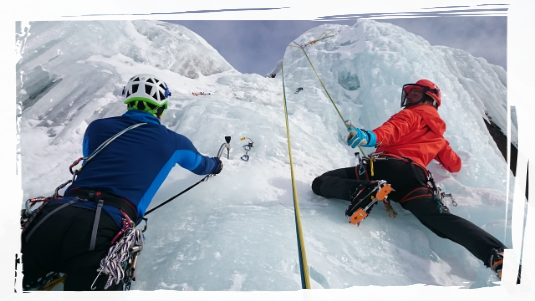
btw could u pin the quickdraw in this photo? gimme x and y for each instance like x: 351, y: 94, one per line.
x: 247, y: 148
x: 121, y: 261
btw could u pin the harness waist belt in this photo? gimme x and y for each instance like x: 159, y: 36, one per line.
x: 109, y: 200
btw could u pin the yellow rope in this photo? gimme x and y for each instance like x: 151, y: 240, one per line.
x: 328, y: 94
x: 390, y: 210
x: 304, y: 266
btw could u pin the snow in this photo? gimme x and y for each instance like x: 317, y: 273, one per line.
x: 237, y: 230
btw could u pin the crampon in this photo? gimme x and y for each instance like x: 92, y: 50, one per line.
x: 365, y: 197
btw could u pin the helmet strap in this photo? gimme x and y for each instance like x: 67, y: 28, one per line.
x: 159, y: 112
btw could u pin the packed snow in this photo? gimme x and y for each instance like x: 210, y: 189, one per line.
x: 236, y: 231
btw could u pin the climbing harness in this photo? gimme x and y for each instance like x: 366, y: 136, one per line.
x: 439, y: 195
x: 427, y: 189
x: 247, y: 148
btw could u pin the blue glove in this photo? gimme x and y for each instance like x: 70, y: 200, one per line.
x: 358, y: 137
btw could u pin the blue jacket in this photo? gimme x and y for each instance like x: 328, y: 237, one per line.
x: 134, y: 165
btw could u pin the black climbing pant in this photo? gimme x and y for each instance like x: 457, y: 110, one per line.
x: 61, y: 244
x: 404, y: 178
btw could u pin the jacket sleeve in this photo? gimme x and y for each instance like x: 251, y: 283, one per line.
x: 395, y: 128
x: 449, y: 159
x: 187, y: 156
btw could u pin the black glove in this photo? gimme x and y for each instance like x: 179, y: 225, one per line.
x: 219, y: 167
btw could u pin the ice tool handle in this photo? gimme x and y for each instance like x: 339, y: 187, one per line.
x: 223, y: 146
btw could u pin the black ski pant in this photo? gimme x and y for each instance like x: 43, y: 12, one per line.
x: 404, y: 178
x: 61, y: 244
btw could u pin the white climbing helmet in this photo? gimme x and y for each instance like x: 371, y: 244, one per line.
x: 146, y: 88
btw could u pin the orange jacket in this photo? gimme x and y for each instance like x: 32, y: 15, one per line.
x: 417, y: 133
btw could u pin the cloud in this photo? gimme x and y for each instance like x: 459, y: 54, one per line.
x: 253, y: 35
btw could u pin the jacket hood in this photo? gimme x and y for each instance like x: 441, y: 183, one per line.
x: 431, y: 117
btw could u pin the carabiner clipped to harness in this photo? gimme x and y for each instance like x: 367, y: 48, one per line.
x: 361, y: 167
x: 17, y: 226
x: 247, y: 148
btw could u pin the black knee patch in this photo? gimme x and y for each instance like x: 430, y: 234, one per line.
x: 316, y: 184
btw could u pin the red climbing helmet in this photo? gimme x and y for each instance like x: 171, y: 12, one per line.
x: 428, y: 87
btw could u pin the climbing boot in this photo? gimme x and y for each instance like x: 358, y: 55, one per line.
x: 365, y: 197
x: 513, y: 276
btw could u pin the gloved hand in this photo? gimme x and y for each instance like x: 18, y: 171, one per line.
x: 219, y: 167
x: 359, y: 137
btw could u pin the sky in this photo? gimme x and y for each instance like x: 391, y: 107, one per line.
x: 253, y: 35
